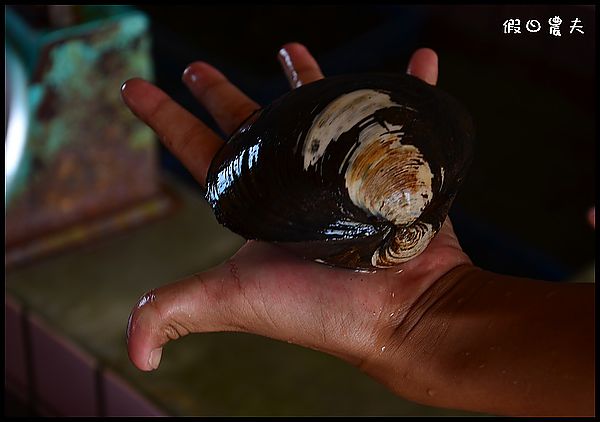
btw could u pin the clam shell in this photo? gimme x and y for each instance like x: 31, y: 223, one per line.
x: 356, y: 171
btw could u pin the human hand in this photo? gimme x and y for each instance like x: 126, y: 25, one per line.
x: 262, y: 289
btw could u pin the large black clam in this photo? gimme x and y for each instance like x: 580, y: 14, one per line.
x: 356, y: 171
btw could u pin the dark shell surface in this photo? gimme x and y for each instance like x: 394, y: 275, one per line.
x: 356, y: 171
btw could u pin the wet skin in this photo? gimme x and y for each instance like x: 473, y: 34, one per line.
x: 423, y: 328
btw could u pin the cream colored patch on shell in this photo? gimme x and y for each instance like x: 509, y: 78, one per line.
x: 383, y: 177
x: 392, y: 181
x: 388, y: 179
x: 338, y: 117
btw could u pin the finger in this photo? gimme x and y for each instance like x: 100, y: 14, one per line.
x: 299, y: 65
x: 224, y: 101
x: 192, y: 142
x: 424, y: 65
x: 592, y: 217
x: 162, y: 315
x: 255, y: 292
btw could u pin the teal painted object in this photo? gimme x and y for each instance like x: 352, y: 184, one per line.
x: 29, y: 42
x: 84, y: 152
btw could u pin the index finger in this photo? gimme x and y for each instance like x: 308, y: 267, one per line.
x: 190, y: 140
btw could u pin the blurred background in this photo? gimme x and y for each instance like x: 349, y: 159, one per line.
x: 98, y: 212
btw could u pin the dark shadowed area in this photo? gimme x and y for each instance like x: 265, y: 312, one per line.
x: 523, y: 208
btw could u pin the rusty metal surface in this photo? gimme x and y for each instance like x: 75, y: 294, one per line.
x: 86, y: 158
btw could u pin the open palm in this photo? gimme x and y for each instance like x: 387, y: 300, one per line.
x: 263, y: 289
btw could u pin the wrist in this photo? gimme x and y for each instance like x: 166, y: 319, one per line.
x: 407, y: 354
x: 498, y: 344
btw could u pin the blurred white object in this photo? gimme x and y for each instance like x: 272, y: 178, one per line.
x: 16, y: 118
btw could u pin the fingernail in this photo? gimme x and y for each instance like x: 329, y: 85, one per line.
x: 190, y: 76
x: 125, y: 95
x: 286, y: 60
x: 128, y: 331
x: 285, y: 56
x: 155, y: 356
x: 288, y: 66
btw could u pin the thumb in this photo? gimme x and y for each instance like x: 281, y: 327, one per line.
x: 168, y: 313
x: 260, y: 291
